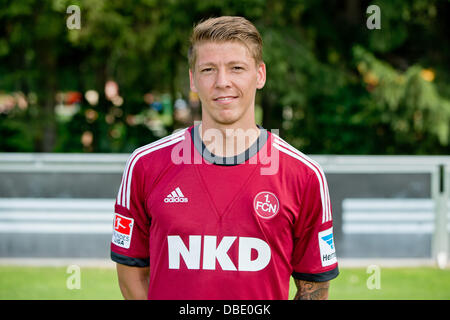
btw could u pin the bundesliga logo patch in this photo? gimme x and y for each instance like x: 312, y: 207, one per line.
x: 123, y: 228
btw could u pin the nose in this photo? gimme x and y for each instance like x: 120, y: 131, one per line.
x: 222, y: 79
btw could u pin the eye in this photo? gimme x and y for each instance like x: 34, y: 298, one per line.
x: 237, y: 68
x: 206, y: 70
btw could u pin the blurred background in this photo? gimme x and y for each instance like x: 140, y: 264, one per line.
x: 84, y: 83
x: 121, y: 80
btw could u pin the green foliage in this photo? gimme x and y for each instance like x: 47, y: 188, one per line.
x: 333, y: 86
x: 406, y: 102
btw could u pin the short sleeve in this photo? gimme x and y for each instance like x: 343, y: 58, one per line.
x: 130, y: 238
x: 314, y: 254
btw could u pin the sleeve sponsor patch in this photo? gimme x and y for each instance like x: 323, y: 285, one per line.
x: 327, y: 249
x: 123, y: 228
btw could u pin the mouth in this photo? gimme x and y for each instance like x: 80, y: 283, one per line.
x: 225, y: 99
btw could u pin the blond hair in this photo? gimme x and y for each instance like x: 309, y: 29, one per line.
x: 223, y: 29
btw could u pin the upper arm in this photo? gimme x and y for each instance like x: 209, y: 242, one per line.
x: 128, y: 273
x: 133, y: 281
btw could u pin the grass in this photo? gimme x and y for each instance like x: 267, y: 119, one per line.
x: 424, y: 283
x: 50, y: 283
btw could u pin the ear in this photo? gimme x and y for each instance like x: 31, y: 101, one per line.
x: 261, y: 76
x: 191, y: 81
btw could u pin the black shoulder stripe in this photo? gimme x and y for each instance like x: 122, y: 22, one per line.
x: 133, y: 262
x: 317, y: 277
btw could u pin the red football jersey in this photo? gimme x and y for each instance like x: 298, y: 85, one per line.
x: 211, y: 227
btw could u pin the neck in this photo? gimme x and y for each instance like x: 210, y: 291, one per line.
x: 228, y: 140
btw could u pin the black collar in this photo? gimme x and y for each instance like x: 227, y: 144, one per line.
x: 228, y: 161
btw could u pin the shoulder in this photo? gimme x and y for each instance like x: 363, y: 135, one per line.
x: 157, y: 150
x: 308, y: 172
x: 297, y: 160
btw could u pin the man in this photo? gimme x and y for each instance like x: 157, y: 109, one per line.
x: 223, y: 209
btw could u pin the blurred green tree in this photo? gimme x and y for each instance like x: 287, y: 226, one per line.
x: 333, y: 86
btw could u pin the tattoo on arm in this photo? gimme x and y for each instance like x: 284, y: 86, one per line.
x: 307, y: 290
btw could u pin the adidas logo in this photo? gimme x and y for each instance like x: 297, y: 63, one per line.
x: 176, y: 196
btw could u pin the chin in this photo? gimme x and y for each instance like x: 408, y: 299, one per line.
x: 227, y: 119
x: 225, y: 116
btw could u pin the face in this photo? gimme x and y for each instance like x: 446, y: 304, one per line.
x: 226, y: 77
